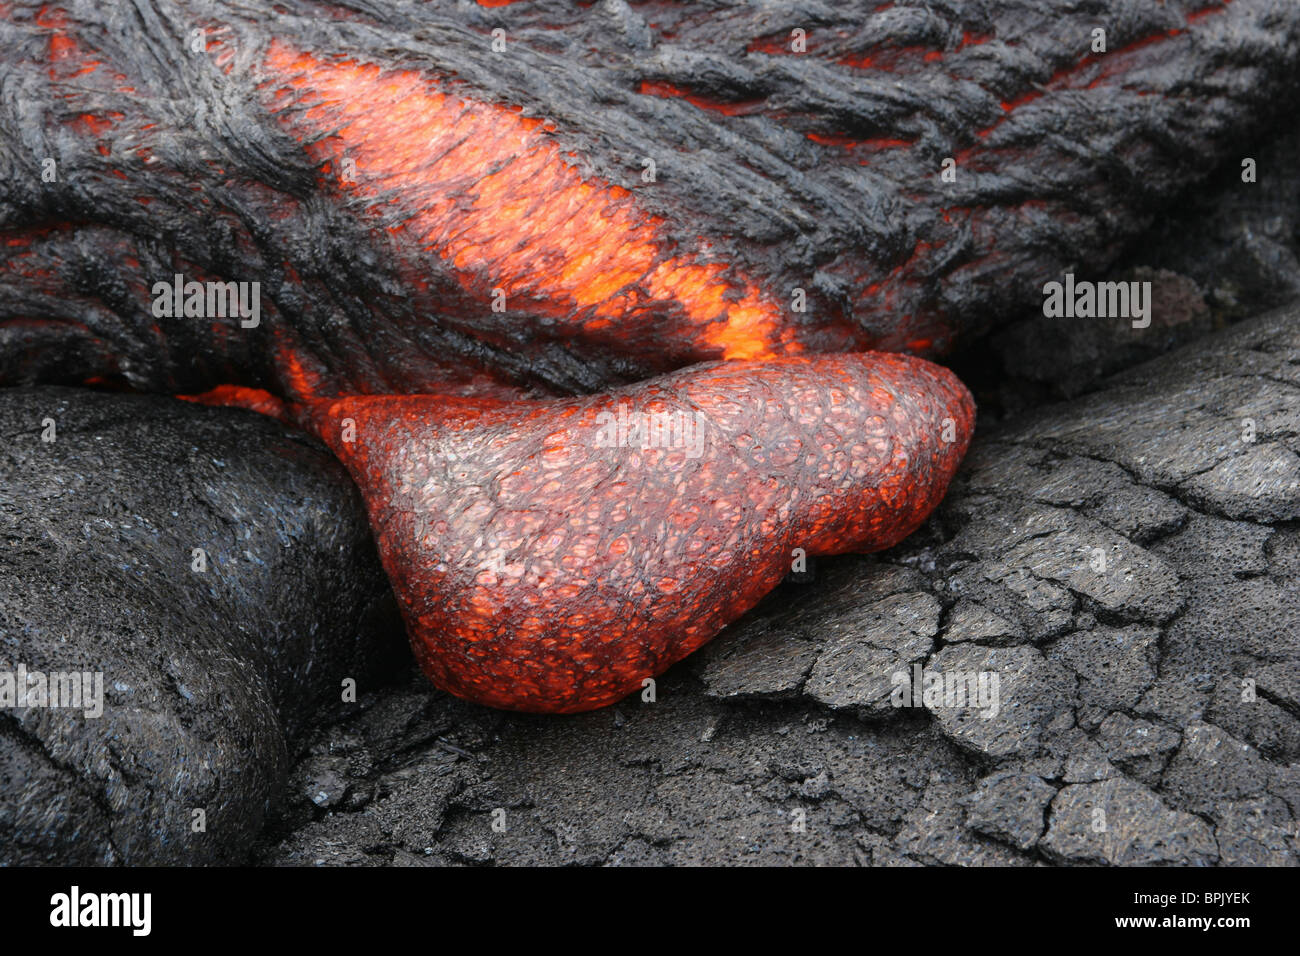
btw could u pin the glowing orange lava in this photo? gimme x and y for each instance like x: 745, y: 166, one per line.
x: 487, y: 190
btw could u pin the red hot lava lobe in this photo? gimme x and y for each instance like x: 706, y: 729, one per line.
x: 552, y: 555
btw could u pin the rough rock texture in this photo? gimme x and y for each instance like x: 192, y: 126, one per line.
x: 206, y: 675
x: 1127, y: 564
x: 321, y: 149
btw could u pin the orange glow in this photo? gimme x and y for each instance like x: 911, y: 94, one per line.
x: 487, y: 190
x: 237, y: 396
x: 298, y: 382
x: 669, y: 91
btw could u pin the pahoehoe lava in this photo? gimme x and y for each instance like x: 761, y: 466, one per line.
x: 552, y: 556
x: 208, y: 677
x: 382, y: 173
x: 432, y: 208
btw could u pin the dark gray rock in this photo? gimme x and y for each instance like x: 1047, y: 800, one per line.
x: 1139, y: 747
x: 1238, y: 707
x: 1239, y: 241
x: 1114, y: 665
x: 933, y: 833
x: 786, y: 636
x: 1256, y: 833
x: 206, y: 675
x: 1010, y: 806
x: 1085, y: 761
x: 1212, y: 768
x: 1067, y: 355
x: 859, y: 669
x: 969, y: 621
x: 1122, y: 823
x: 1033, y: 695
x: 766, y: 662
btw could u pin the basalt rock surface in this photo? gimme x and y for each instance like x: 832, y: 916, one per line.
x: 208, y: 676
